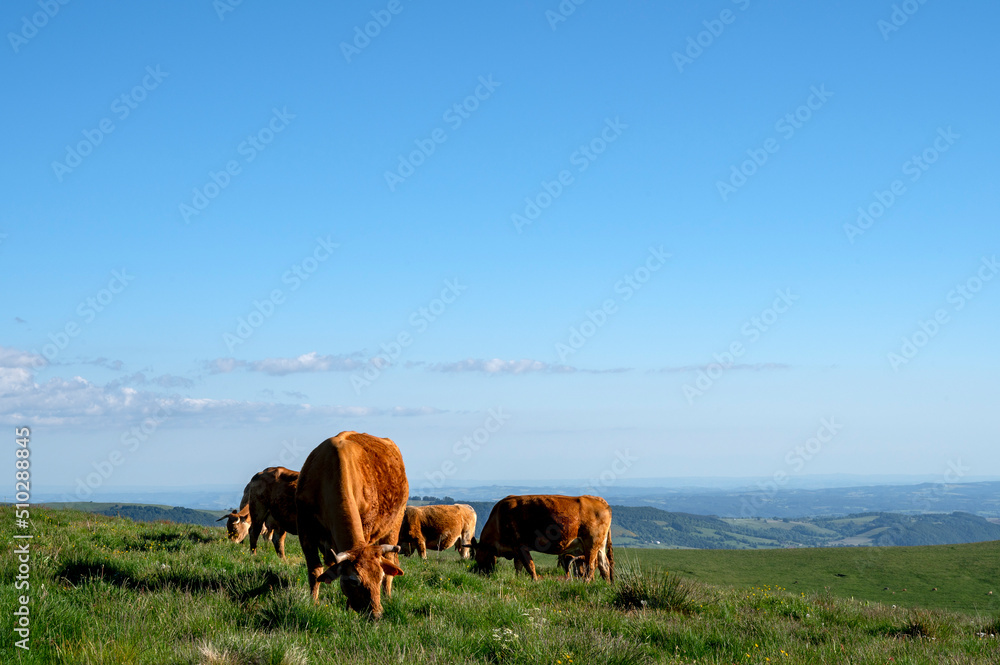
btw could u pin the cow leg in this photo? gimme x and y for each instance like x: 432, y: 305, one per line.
x: 308, y: 528
x: 525, y: 559
x: 591, y: 561
x: 603, y: 566
x: 255, y: 528
x: 387, y: 580
x: 256, y: 525
x: 278, y: 540
x: 422, y: 548
x: 518, y: 566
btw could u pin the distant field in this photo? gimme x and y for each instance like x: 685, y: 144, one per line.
x: 963, y: 574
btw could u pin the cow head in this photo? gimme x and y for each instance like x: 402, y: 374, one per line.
x: 361, y: 572
x: 576, y: 563
x: 486, y: 556
x: 237, y: 524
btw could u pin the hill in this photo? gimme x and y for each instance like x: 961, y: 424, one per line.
x: 108, y: 590
x: 144, y: 512
x: 651, y: 527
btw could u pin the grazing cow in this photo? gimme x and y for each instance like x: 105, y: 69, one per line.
x: 573, y: 565
x: 437, y: 526
x: 238, y: 524
x: 351, y: 498
x: 270, y: 497
x: 551, y: 524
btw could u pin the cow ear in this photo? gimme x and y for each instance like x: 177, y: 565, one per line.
x: 389, y: 568
x: 473, y: 544
x: 331, y: 573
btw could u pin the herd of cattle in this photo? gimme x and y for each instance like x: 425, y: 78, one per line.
x: 348, y: 505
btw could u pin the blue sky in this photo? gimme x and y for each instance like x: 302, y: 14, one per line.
x: 624, y: 125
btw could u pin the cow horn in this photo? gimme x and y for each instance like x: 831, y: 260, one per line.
x: 341, y: 558
x: 222, y: 518
x: 390, y: 548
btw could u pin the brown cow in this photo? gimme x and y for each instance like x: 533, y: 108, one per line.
x: 439, y: 526
x: 270, y: 497
x: 238, y: 524
x: 551, y: 524
x: 351, y: 497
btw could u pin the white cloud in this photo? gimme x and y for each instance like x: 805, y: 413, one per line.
x: 79, y: 403
x: 307, y: 362
x: 163, y: 381
x: 498, y: 366
x: 16, y: 358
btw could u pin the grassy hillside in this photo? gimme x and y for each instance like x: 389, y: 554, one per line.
x: 108, y: 590
x: 964, y: 575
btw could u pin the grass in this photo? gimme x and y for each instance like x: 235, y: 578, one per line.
x: 947, y: 577
x: 107, y: 590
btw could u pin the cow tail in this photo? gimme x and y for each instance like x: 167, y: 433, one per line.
x: 611, y: 557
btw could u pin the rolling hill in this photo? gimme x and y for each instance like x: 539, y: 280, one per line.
x: 649, y: 527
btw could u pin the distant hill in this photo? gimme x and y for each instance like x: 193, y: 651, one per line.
x: 981, y: 499
x: 643, y: 526
x: 634, y: 526
x: 145, y: 513
x: 651, y: 527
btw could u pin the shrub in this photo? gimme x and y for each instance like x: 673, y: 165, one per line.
x: 652, y: 588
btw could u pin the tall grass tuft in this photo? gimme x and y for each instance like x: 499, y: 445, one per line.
x: 919, y: 625
x: 652, y: 588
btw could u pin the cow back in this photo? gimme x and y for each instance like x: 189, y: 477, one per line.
x: 354, y: 486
